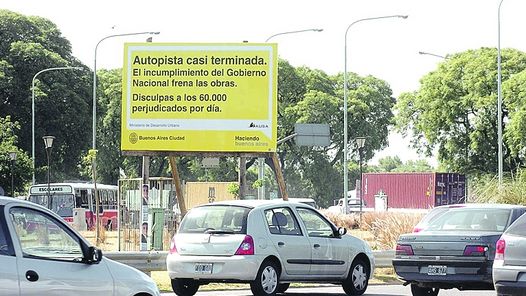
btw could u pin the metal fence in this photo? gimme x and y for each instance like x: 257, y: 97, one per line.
x: 162, y: 205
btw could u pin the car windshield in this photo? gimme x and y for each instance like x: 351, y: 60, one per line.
x: 479, y: 219
x: 216, y: 219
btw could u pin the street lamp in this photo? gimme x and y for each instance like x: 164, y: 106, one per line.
x: 345, y: 144
x: 94, y: 125
x: 12, y: 156
x: 499, y: 100
x: 48, y: 142
x: 360, y: 143
x: 292, y: 32
x: 431, y: 54
x: 33, y: 110
x: 261, y: 160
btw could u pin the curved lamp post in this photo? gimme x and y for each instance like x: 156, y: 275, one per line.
x: 431, y: 54
x: 94, y: 125
x: 345, y: 144
x: 293, y: 32
x: 12, y: 156
x: 261, y: 161
x: 499, y: 100
x: 33, y: 110
x: 48, y: 142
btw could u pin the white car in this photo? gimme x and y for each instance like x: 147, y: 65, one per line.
x: 40, y: 254
x: 268, y: 244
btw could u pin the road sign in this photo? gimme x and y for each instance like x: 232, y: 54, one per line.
x: 311, y: 134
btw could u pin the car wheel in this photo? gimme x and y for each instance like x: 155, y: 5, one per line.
x: 282, y: 288
x: 358, y: 278
x: 423, y: 291
x: 184, y: 287
x: 267, y: 280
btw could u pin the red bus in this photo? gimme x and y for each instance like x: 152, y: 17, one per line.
x: 64, y: 198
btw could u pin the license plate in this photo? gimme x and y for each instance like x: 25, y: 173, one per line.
x: 203, y: 268
x: 436, y: 270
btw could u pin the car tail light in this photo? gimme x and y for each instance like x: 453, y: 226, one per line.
x: 173, y: 247
x: 417, y: 229
x: 475, y: 250
x: 246, y: 247
x: 404, y: 250
x: 501, y: 247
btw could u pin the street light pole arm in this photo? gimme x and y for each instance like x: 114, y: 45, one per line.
x: 292, y: 32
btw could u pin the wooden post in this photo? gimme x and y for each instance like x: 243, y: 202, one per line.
x: 178, y: 186
x: 279, y: 177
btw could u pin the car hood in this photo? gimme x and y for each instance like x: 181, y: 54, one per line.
x: 448, y: 243
x: 129, y: 280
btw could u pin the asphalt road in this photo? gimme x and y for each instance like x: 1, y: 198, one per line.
x: 330, y: 290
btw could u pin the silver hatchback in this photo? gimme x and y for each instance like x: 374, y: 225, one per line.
x: 509, y: 267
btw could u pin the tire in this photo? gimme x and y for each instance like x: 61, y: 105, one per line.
x: 282, y: 288
x: 423, y: 291
x: 185, y: 287
x: 267, y: 280
x: 358, y: 278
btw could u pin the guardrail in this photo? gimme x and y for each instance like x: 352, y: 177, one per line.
x: 156, y: 260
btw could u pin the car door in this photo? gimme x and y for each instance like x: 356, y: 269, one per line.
x: 288, y: 239
x: 49, y: 257
x: 330, y: 253
x: 8, y: 268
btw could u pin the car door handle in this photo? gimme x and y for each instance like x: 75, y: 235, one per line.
x: 316, y: 246
x: 31, y: 276
x: 281, y: 244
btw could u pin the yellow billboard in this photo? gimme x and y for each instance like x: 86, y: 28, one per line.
x: 199, y: 97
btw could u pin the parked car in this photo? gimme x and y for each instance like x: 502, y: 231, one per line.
x: 509, y: 268
x: 268, y: 244
x: 433, y: 214
x: 455, y: 250
x: 40, y: 254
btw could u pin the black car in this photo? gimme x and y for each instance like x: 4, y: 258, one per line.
x: 455, y: 250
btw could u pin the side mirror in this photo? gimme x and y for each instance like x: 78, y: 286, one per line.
x: 342, y: 231
x: 93, y: 256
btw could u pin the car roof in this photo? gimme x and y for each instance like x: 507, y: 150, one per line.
x: 7, y: 199
x: 251, y: 203
x: 482, y: 205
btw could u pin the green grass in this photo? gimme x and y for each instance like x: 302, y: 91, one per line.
x: 381, y: 276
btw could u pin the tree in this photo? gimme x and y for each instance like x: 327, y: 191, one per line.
x: 455, y: 110
x: 62, y: 98
x: 21, y: 168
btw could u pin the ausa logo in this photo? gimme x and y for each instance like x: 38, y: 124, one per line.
x: 133, y: 138
x: 253, y: 125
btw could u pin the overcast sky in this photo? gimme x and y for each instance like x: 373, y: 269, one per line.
x: 386, y: 48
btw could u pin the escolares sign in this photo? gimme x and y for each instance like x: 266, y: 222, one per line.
x: 199, y: 97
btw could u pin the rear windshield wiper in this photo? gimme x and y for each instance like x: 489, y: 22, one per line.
x: 219, y: 231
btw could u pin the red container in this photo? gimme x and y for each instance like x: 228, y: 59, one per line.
x: 413, y: 190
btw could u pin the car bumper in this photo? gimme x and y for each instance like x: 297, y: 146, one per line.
x: 469, y: 274
x: 509, y: 279
x: 227, y: 268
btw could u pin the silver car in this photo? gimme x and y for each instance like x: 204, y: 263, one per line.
x: 455, y: 250
x: 40, y: 254
x: 509, y: 267
x: 268, y: 244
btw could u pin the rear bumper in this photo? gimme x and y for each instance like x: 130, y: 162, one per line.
x: 227, y: 268
x: 459, y: 274
x: 510, y: 288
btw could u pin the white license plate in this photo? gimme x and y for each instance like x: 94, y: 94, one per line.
x: 203, y: 268
x: 436, y: 270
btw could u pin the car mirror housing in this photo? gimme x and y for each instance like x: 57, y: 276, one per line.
x: 93, y: 255
x: 342, y: 231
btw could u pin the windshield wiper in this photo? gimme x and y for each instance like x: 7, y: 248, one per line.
x: 219, y: 231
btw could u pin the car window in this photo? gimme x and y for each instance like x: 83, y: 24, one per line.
x: 518, y: 227
x: 6, y: 246
x: 215, y: 219
x: 316, y: 225
x: 481, y: 219
x: 282, y: 221
x: 42, y: 236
